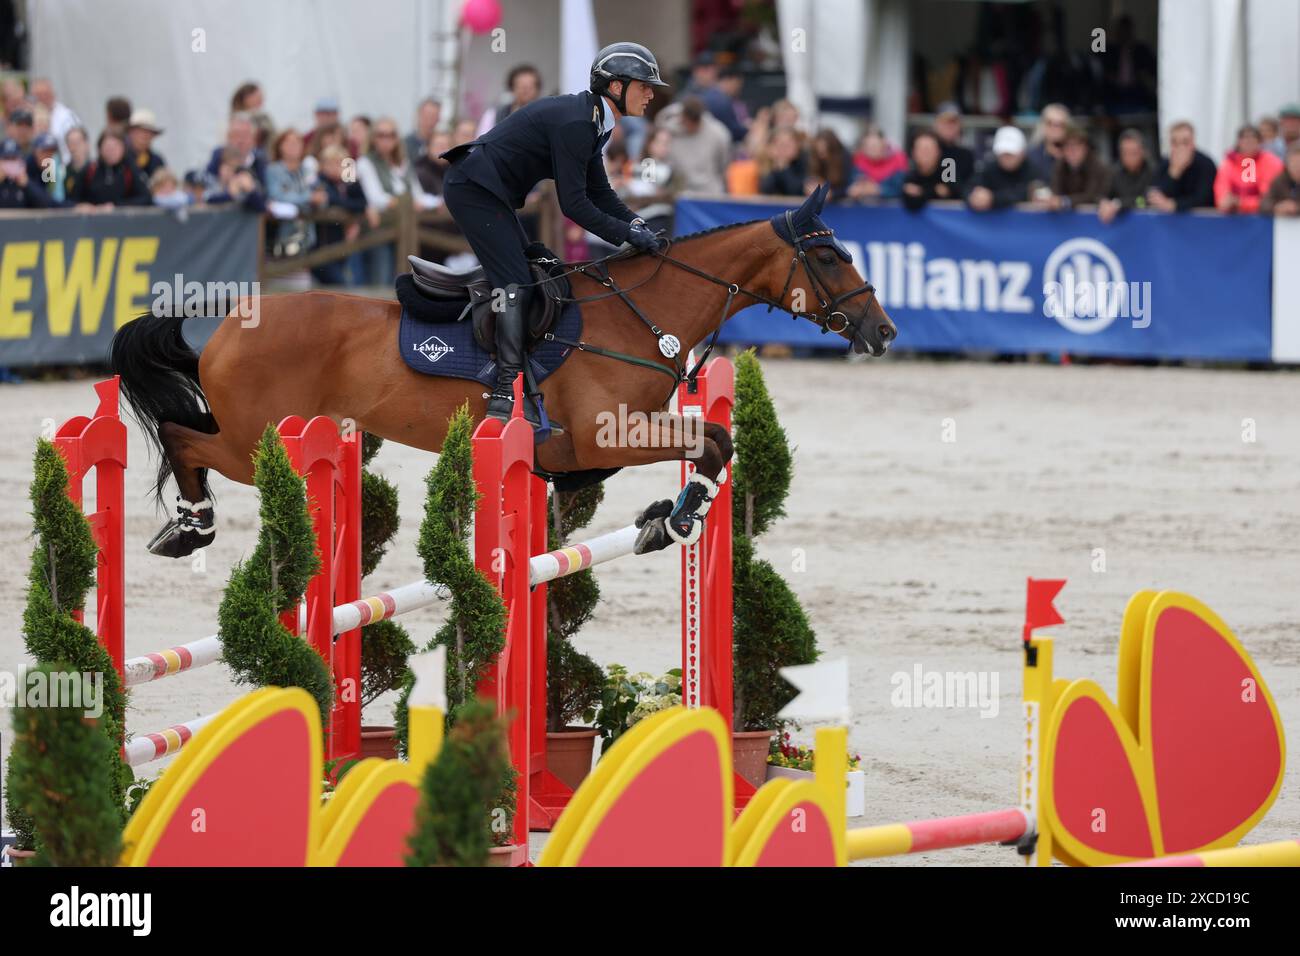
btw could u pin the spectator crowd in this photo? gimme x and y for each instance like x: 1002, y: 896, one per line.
x: 706, y: 140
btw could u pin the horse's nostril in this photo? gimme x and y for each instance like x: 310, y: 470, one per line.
x: 886, y: 332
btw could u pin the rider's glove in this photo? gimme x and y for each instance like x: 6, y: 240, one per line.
x: 641, y: 237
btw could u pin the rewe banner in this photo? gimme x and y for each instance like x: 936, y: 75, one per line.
x: 69, y: 280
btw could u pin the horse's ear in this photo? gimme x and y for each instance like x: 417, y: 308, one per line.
x: 810, y: 208
x: 819, y: 197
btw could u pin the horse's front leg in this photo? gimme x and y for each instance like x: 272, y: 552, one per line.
x: 708, y: 446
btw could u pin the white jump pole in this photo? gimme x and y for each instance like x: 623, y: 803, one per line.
x: 207, y: 650
x: 164, y: 743
x: 579, y: 557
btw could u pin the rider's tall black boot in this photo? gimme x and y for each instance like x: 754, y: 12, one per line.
x: 511, y: 328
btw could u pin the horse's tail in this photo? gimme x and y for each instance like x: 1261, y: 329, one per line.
x: 160, y: 381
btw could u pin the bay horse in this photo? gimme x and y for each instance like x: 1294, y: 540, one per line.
x: 325, y: 353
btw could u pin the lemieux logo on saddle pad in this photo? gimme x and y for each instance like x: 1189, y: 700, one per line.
x: 434, y: 348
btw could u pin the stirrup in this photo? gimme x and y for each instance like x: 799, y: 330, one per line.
x: 544, y: 427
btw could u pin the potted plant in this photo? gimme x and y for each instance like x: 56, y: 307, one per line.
x: 62, y: 571
x: 573, y: 680
x: 256, y: 647
x: 796, y: 762
x: 573, y: 689
x: 385, y: 645
x: 501, y: 815
x: 627, y: 698
x: 61, y: 772
x: 467, y: 794
x: 771, y: 630
x: 474, y: 631
x: 451, y: 828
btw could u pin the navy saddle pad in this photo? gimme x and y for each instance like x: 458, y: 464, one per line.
x: 447, y: 348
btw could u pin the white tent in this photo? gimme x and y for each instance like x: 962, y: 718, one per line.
x: 846, y: 49
x: 1221, y: 62
x: 184, y: 60
x: 1225, y: 62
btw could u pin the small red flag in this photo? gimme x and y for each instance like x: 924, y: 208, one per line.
x: 1039, y: 610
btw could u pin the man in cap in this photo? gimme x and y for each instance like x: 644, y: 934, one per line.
x: 140, y: 133
x: 560, y: 138
x: 45, y: 166
x: 17, y: 189
x: 947, y: 126
x: 707, y: 84
x: 20, y: 128
x: 1288, y: 129
x: 327, y: 112
x: 1006, y: 178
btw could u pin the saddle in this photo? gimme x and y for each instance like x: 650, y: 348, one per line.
x: 435, y: 292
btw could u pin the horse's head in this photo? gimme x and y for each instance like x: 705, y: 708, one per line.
x: 829, y: 292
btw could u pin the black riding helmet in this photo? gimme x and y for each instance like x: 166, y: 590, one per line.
x: 624, y: 61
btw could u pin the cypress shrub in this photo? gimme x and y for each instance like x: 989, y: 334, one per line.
x: 771, y: 629
x: 255, y: 645
x: 62, y: 572
x: 573, y: 680
x: 63, y: 771
x: 454, y: 823
x: 474, y: 632
x: 385, y: 645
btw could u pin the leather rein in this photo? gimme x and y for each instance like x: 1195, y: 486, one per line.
x: 670, y: 345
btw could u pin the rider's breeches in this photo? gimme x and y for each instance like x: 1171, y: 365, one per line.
x: 493, y: 232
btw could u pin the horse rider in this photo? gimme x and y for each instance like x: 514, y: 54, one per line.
x: 556, y: 137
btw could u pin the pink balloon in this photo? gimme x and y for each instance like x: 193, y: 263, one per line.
x: 481, y: 16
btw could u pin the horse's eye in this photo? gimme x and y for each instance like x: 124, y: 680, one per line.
x: 826, y: 259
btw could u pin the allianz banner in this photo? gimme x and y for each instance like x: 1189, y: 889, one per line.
x: 1146, y: 286
x: 69, y: 280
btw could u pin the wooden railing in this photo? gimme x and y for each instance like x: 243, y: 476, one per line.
x: 407, y: 230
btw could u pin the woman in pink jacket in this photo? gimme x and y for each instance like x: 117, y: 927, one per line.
x: 1245, y: 173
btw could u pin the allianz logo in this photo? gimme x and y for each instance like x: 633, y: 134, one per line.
x: 1084, y: 286
x: 434, y: 348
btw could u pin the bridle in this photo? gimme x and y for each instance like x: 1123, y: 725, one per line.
x: 829, y: 303
x: 826, y: 317
x: 826, y: 298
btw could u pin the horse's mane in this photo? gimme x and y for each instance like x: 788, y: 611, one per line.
x: 712, y: 229
x: 639, y: 256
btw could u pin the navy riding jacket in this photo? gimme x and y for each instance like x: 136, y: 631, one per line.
x: 557, y: 137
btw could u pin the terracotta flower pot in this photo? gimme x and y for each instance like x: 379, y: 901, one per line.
x: 378, y: 742
x: 501, y: 856
x: 749, y: 754
x: 569, y: 753
x: 19, y: 857
x: 855, y: 786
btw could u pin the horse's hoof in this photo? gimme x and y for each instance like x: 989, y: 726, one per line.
x: 657, y: 511
x: 653, y: 537
x: 175, y: 541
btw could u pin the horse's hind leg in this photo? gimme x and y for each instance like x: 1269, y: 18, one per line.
x: 191, y: 453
